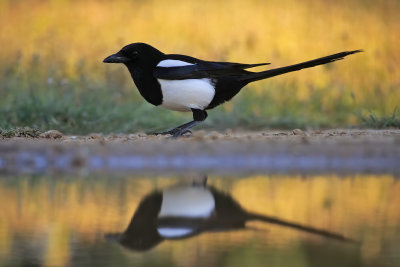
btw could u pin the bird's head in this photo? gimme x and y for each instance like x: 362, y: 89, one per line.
x: 135, y: 53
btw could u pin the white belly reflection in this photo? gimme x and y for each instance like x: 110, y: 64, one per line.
x: 191, y: 202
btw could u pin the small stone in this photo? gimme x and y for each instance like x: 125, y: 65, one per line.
x: 132, y: 136
x: 213, y: 135
x: 96, y: 136
x: 298, y: 132
x: 141, y: 134
x: 229, y: 132
x: 52, y: 134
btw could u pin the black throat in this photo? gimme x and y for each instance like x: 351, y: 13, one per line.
x: 142, y: 74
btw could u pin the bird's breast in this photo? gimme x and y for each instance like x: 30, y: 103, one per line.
x: 185, y: 202
x: 184, y: 95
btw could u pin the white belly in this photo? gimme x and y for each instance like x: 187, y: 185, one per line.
x: 183, y: 95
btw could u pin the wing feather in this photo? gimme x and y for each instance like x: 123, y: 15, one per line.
x: 203, y: 69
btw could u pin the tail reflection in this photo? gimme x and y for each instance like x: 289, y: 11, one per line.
x: 180, y: 212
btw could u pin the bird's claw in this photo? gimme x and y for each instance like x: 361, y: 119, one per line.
x: 171, y: 132
x: 181, y: 133
x: 174, y: 132
x: 162, y: 133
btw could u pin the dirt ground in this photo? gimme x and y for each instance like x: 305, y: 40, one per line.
x: 339, y: 137
x: 347, y: 150
x: 296, y: 135
x: 292, y: 136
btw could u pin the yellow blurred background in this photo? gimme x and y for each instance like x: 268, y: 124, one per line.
x: 71, y: 38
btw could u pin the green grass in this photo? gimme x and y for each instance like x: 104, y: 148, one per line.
x: 101, y: 110
x: 379, y: 122
x: 20, y: 132
x: 74, y: 106
x: 42, y: 99
x: 104, y: 110
x: 79, y: 113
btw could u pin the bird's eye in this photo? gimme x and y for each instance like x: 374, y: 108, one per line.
x: 135, y: 53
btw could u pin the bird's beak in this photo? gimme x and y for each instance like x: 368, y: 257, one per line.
x: 116, y: 58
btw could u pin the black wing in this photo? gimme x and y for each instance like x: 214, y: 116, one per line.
x: 201, y: 69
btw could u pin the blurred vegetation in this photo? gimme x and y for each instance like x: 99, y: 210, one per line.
x: 382, y: 122
x: 20, y: 132
x: 52, y: 75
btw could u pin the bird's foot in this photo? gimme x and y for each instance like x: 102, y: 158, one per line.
x: 176, y: 132
x: 181, y: 133
x: 169, y: 132
x: 180, y: 130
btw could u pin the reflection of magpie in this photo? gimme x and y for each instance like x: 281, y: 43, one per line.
x: 184, y: 83
x: 184, y: 211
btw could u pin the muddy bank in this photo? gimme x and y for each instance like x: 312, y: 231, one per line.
x: 292, y: 136
x: 354, y: 151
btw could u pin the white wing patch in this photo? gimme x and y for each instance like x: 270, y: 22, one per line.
x: 183, y: 95
x: 173, y: 63
x: 174, y: 232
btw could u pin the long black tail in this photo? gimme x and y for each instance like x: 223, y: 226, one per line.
x: 300, y: 227
x: 308, y: 64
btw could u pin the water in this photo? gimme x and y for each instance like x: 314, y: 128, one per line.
x: 85, y: 220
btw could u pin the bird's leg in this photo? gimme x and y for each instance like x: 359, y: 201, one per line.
x: 198, y: 116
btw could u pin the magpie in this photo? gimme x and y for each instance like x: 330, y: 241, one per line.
x: 183, y: 211
x: 184, y: 83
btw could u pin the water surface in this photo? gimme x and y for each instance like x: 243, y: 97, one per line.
x: 57, y: 220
